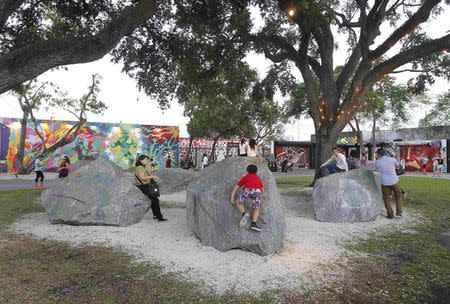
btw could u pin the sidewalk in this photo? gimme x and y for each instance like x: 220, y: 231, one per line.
x: 31, y: 176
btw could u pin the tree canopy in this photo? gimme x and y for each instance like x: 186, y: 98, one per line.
x: 383, y: 37
x: 439, y: 114
x: 36, y: 36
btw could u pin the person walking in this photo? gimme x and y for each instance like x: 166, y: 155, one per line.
x: 243, y: 147
x: 204, y: 161
x: 39, y: 173
x: 389, y: 182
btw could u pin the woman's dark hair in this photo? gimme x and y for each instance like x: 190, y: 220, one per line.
x: 252, y: 143
x: 139, y: 160
x: 380, y: 152
x: 252, y: 169
x: 67, y: 160
x: 354, y: 153
x: 242, y: 141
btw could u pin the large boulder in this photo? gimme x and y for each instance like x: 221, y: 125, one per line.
x: 175, y: 179
x: 352, y: 196
x: 215, y: 222
x: 98, y: 193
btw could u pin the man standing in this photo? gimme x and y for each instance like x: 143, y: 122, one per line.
x: 336, y: 163
x: 389, y: 182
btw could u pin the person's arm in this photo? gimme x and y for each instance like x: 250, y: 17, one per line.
x: 327, y: 162
x: 396, y: 163
x: 233, y: 193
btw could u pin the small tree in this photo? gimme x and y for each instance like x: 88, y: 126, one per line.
x: 31, y: 96
x: 88, y: 103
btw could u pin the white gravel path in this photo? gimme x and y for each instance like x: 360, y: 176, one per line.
x: 171, y: 244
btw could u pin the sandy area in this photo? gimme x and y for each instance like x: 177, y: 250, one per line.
x: 309, y: 244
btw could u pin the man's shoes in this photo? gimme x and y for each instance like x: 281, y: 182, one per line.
x: 390, y: 217
x: 244, y: 220
x: 162, y: 219
x: 399, y: 215
x: 255, y: 227
x: 155, y: 217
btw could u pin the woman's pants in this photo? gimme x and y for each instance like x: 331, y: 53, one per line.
x: 156, y: 209
x: 39, y: 175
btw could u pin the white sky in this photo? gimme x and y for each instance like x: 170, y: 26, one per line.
x: 126, y: 104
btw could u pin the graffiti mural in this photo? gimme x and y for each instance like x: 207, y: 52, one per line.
x: 121, y: 143
x: 295, y: 155
x: 420, y: 156
x: 224, y: 148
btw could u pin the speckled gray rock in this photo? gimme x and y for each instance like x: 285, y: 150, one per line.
x: 215, y: 222
x: 175, y: 179
x: 352, y: 196
x: 98, y: 193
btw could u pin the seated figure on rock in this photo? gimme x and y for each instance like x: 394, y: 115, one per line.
x: 336, y: 163
x: 252, y: 188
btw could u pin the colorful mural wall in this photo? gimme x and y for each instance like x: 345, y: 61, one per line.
x: 224, y: 148
x: 121, y: 143
x: 296, y: 155
x: 420, y: 156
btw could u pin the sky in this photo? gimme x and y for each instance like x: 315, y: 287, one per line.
x: 126, y: 104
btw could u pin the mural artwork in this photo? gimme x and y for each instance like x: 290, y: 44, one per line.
x: 121, y: 143
x: 420, y: 157
x: 295, y: 156
x: 224, y: 148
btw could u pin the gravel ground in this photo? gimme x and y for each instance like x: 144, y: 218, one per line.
x: 309, y: 245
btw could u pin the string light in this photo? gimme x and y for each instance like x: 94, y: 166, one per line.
x: 291, y: 12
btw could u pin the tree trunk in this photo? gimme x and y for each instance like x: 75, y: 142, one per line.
x: 23, y: 134
x: 373, y: 137
x: 361, y: 144
x: 188, y: 154
x: 213, y: 151
x: 325, y: 141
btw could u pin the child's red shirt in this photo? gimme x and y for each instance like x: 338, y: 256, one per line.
x: 250, y: 180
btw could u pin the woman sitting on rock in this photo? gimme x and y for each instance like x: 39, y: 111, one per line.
x: 63, y: 167
x: 144, y: 180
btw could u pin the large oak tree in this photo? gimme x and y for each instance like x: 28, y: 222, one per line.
x: 383, y: 37
x: 36, y: 36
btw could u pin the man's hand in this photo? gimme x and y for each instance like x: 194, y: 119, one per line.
x: 233, y: 201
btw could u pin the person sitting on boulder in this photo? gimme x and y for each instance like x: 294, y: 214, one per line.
x: 336, y: 163
x: 142, y: 180
x: 252, y: 188
x: 353, y: 161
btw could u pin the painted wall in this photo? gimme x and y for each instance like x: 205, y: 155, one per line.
x: 296, y: 155
x: 121, y: 143
x: 419, y: 157
x: 224, y: 148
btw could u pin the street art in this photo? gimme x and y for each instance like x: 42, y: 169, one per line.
x: 224, y: 148
x: 420, y: 157
x: 295, y: 156
x: 347, y: 140
x: 120, y: 143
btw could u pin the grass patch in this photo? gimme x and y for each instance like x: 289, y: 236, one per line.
x: 418, y: 261
x: 293, y: 182
x: 400, y: 267
x: 15, y: 203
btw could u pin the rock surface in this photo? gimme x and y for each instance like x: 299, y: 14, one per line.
x: 175, y: 179
x: 215, y: 222
x: 352, y: 196
x: 98, y: 193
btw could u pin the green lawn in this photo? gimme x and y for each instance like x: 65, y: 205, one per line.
x: 294, y: 182
x: 400, y: 267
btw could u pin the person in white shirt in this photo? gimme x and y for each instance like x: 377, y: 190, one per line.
x: 204, y: 161
x: 336, y: 163
x: 243, y: 148
x: 389, y: 182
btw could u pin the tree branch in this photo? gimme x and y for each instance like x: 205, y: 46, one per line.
x: 422, y: 15
x: 32, y: 60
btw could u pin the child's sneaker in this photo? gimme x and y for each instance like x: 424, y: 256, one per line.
x: 244, y: 220
x: 255, y: 227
